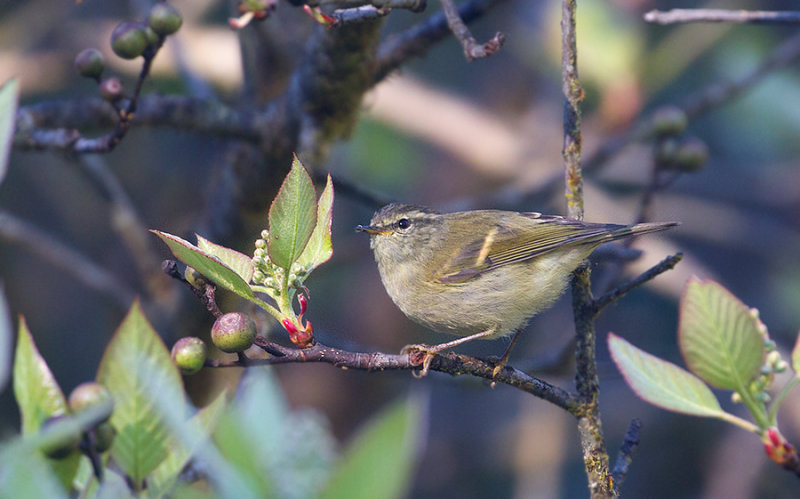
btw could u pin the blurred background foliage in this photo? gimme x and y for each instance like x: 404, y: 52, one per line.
x: 449, y: 134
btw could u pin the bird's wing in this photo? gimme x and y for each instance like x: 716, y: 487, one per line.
x: 504, y: 244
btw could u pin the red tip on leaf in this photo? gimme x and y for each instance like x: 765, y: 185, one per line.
x: 316, y: 14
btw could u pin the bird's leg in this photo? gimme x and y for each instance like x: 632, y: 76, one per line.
x: 504, y: 359
x: 431, y: 350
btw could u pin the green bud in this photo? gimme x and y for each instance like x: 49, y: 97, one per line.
x: 691, y: 156
x: 90, y: 394
x: 90, y: 63
x: 128, y: 40
x: 763, y: 397
x: 669, y: 121
x: 259, y: 253
x: 189, y: 354
x: 261, y: 243
x: 63, y: 446
x: 736, y: 398
x: 111, y: 89
x: 164, y: 19
x: 265, y: 234
x: 258, y: 276
x: 194, y: 277
x: 233, y: 332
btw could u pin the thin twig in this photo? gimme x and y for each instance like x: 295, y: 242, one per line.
x: 358, y: 14
x: 206, y: 293
x: 126, y: 223
x: 722, y: 16
x: 415, y: 41
x: 62, y: 256
x: 472, y: 49
x: 573, y: 95
x: 412, y: 5
x: 625, y: 455
x: 615, y: 294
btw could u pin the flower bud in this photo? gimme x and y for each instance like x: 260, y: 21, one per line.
x: 233, y: 332
x: 669, y: 121
x: 164, y: 19
x: 111, y: 89
x: 90, y: 63
x: 128, y: 40
x: 189, y: 354
x: 691, y: 156
x: 194, y: 277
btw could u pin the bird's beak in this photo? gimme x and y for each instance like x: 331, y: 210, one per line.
x: 372, y: 231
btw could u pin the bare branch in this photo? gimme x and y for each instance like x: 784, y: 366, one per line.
x: 722, y: 16
x: 625, y: 455
x: 415, y: 41
x: 472, y: 49
x: 450, y: 363
x: 664, y: 265
x: 62, y: 256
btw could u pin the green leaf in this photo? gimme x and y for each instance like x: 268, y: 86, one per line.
x: 25, y: 473
x: 292, y: 217
x: 208, y: 265
x: 379, y: 461
x: 39, y: 397
x: 662, y: 383
x: 319, y: 248
x: 165, y: 476
x: 796, y: 357
x: 6, y: 333
x: 9, y: 95
x: 295, y: 448
x: 721, y: 339
x: 238, y: 262
x: 135, y: 361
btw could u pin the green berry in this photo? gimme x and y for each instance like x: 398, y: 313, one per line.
x: 233, y: 332
x: 691, y: 156
x: 149, y: 34
x: 164, y: 19
x: 63, y: 445
x: 189, y: 354
x: 669, y: 121
x: 128, y: 40
x: 103, y: 435
x: 90, y: 63
x: 90, y: 394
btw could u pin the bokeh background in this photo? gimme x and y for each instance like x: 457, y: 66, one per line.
x: 449, y: 134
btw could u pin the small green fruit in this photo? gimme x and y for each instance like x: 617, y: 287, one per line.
x: 691, y: 156
x: 233, y: 332
x: 128, y: 40
x: 90, y: 394
x: 90, y: 63
x: 103, y: 435
x: 164, y: 19
x: 669, y: 121
x: 189, y: 354
x: 65, y: 444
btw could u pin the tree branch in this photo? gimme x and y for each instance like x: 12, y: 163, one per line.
x: 674, y: 16
x: 607, y: 299
x: 62, y: 256
x: 472, y: 49
x: 450, y: 363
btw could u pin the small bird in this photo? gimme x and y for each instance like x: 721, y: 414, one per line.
x: 483, y: 273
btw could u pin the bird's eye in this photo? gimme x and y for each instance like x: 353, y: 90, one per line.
x: 403, y: 223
